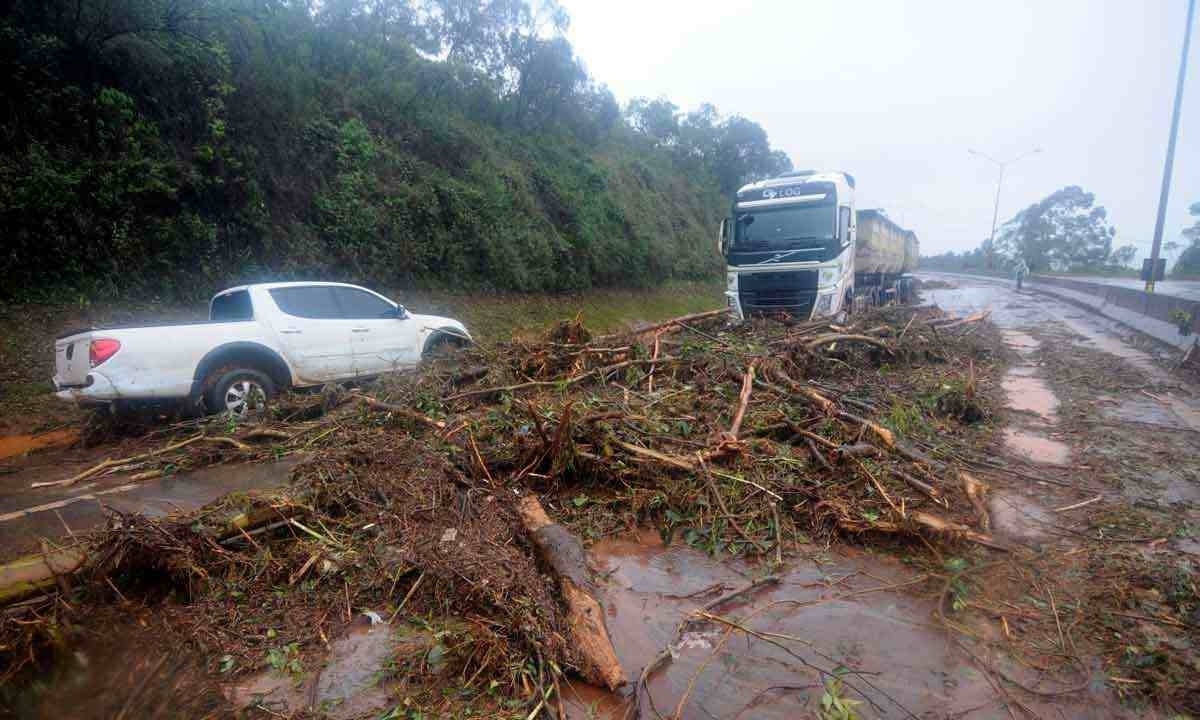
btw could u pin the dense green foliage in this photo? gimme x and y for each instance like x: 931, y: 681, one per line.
x: 167, y: 147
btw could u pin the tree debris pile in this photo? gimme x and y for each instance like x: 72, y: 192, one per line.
x: 741, y: 440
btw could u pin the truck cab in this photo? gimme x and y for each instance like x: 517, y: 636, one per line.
x: 789, y: 246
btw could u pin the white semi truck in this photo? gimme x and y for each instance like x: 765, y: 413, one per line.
x: 796, y: 245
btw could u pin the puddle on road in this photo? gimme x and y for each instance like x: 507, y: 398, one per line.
x: 1018, y: 517
x: 29, y: 516
x: 1022, y: 342
x: 353, y: 682
x: 1031, y: 394
x: 840, y: 611
x: 1163, y: 487
x: 15, y: 445
x: 1036, y: 448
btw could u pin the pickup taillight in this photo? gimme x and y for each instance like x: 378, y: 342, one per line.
x: 102, y: 349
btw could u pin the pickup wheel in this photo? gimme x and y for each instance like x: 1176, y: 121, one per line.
x: 241, y: 392
x: 441, y: 345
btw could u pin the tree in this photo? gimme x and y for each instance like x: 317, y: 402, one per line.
x: 657, y: 119
x: 1062, y: 231
x: 1123, y: 256
x: 1189, y: 260
x: 1193, y: 233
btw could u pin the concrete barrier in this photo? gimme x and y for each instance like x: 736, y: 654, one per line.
x: 1155, y: 306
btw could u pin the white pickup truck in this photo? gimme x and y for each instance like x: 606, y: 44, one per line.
x: 259, y: 339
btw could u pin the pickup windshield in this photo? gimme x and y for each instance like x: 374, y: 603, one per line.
x: 785, y: 228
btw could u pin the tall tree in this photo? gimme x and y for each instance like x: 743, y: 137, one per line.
x: 1189, y: 260
x: 1064, y: 230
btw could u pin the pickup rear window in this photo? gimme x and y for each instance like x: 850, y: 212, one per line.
x: 231, y: 307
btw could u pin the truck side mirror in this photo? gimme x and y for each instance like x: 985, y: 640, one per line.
x: 844, y: 225
x: 723, y: 236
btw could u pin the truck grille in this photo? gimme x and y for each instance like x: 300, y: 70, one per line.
x: 769, y: 293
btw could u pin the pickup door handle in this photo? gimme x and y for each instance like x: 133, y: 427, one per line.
x: 290, y: 331
x: 360, y: 330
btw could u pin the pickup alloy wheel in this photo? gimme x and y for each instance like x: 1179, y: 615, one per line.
x: 242, y: 393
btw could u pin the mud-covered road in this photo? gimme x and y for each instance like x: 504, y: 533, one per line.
x: 1093, y: 472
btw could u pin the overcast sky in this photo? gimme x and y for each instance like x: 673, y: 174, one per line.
x: 896, y: 92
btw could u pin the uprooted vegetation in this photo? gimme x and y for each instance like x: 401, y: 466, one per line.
x: 744, y: 441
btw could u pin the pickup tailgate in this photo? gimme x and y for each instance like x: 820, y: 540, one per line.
x: 71, y: 359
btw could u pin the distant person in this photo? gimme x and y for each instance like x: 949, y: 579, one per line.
x: 1021, y: 270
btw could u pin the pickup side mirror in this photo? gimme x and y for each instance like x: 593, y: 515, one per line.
x: 723, y: 236
x: 401, y: 312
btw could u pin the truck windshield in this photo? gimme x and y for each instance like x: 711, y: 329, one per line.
x: 784, y: 228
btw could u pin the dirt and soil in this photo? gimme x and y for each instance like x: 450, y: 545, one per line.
x: 930, y: 512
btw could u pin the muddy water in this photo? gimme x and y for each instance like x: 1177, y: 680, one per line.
x: 14, y: 445
x: 1032, y: 395
x: 836, y: 609
x: 354, y: 682
x: 1038, y: 448
x: 53, y: 513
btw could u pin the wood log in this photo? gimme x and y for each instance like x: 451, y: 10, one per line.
x: 976, y: 490
x: 35, y: 574
x: 564, y: 554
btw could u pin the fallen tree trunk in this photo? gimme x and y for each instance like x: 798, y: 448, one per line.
x: 563, y: 552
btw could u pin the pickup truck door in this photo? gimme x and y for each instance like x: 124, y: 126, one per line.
x: 382, y: 341
x: 315, y: 337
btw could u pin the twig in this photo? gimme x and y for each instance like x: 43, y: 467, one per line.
x: 712, y: 485
x: 230, y: 441
x: 840, y: 337
x: 564, y: 383
x: 1078, y: 505
x: 743, y: 399
x: 687, y: 693
x: 665, y: 324
x: 416, y: 584
x: 114, y: 463
x: 400, y: 410
x: 778, y: 533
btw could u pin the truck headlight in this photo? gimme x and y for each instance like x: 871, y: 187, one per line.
x: 829, y: 276
x: 731, y: 281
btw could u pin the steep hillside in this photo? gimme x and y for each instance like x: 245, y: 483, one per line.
x: 162, y: 148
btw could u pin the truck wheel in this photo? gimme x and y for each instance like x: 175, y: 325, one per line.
x: 241, y: 392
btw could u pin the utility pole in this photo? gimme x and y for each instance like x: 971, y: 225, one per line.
x: 1156, y: 249
x: 1000, y: 181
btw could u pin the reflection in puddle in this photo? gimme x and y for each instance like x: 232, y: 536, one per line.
x: 1036, y: 448
x: 841, y: 610
x: 1030, y: 394
x: 353, y: 683
x: 1019, y: 517
x: 1022, y: 342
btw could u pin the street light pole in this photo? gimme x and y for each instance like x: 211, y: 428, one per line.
x: 1156, y: 249
x: 1000, y: 180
